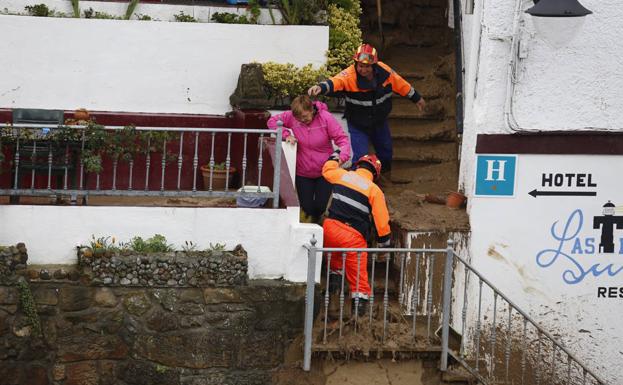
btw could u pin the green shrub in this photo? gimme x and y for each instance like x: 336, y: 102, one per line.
x: 156, y: 244
x: 344, y: 37
x: 288, y: 80
x: 40, y: 10
x: 229, y: 18
x: 184, y: 18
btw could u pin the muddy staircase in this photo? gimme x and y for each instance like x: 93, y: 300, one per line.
x: 418, y: 44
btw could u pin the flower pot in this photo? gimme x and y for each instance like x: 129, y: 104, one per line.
x: 81, y: 114
x: 455, y: 200
x: 219, y: 176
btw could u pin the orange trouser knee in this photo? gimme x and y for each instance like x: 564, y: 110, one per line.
x: 338, y: 234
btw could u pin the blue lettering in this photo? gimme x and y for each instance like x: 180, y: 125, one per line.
x: 577, y: 272
x: 590, y: 245
x: 621, y: 247
x: 577, y: 247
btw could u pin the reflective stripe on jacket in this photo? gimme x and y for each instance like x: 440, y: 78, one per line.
x: 355, y: 198
x: 368, y: 103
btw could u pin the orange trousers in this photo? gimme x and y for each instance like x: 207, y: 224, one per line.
x: 338, y: 234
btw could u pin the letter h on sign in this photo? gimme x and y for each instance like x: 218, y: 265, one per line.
x: 495, y: 175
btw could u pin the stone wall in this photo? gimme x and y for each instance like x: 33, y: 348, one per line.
x: 147, y: 336
x: 13, y: 261
x: 172, y: 269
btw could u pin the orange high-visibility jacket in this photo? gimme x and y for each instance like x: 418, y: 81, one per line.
x: 355, y: 198
x: 368, y: 103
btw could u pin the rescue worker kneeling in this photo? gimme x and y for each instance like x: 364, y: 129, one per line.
x: 356, y: 203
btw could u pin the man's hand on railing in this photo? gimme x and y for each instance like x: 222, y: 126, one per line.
x: 381, y: 257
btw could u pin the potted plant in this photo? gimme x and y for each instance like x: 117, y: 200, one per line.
x: 220, y: 175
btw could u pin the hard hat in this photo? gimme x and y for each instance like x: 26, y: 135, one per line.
x: 373, y: 161
x: 366, y: 54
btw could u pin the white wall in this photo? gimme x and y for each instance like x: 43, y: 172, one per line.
x: 118, y: 65
x: 158, y: 12
x: 273, y: 238
x: 576, y: 87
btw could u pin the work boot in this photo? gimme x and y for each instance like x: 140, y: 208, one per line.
x: 385, y: 180
x: 360, y: 309
x: 335, y: 282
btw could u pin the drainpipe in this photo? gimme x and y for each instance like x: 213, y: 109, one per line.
x: 459, y: 68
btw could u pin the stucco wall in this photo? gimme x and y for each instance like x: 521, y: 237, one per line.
x: 157, y: 12
x: 140, y: 66
x: 572, y: 88
x: 273, y: 239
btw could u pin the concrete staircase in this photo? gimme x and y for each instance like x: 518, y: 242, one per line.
x: 418, y: 44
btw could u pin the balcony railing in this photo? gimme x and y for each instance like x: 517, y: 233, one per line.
x: 93, y: 160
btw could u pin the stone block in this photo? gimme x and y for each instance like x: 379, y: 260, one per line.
x: 192, y: 296
x: 8, y: 295
x: 45, y: 296
x: 20, y: 374
x: 58, y: 372
x: 79, y: 347
x: 81, y: 373
x: 144, y: 373
x: 161, y: 321
x: 137, y: 303
x: 271, y: 346
x: 104, y: 297
x: 74, y: 298
x: 221, y: 295
x: 197, y: 350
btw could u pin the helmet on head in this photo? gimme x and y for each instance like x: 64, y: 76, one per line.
x: 373, y: 161
x: 366, y: 54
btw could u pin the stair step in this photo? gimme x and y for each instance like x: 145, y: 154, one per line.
x: 423, y: 130
x: 432, y: 152
x: 425, y: 178
x: 419, y: 60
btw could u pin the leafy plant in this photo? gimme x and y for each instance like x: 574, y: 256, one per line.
x: 344, y: 36
x: 75, y: 5
x: 217, y: 247
x: 40, y: 10
x: 189, y: 246
x: 183, y: 18
x: 130, y: 10
x: 289, y: 80
x: 140, y: 16
x: 229, y: 18
x: 28, y: 306
x: 102, y: 244
x: 88, y: 13
x: 156, y: 244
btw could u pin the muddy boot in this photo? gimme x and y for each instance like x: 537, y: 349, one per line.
x: 385, y: 180
x: 335, y: 284
x: 360, y: 308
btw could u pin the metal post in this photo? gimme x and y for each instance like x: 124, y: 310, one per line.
x: 309, y: 303
x: 447, y: 287
x: 276, y: 177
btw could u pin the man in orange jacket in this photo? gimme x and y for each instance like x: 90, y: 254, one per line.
x: 356, y: 203
x: 367, y: 86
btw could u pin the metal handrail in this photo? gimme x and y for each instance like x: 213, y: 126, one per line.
x: 450, y: 279
x: 529, y: 319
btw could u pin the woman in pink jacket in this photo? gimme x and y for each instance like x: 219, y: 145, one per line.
x: 312, y: 126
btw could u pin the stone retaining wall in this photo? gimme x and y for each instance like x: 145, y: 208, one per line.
x: 173, y: 269
x: 140, y: 336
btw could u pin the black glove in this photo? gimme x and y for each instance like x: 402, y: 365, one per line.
x: 335, y: 155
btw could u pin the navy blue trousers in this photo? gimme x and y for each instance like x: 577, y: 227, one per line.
x: 381, y: 139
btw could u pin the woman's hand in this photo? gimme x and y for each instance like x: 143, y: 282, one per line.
x: 291, y: 139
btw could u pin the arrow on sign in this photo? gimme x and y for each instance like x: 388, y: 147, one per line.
x: 536, y: 193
